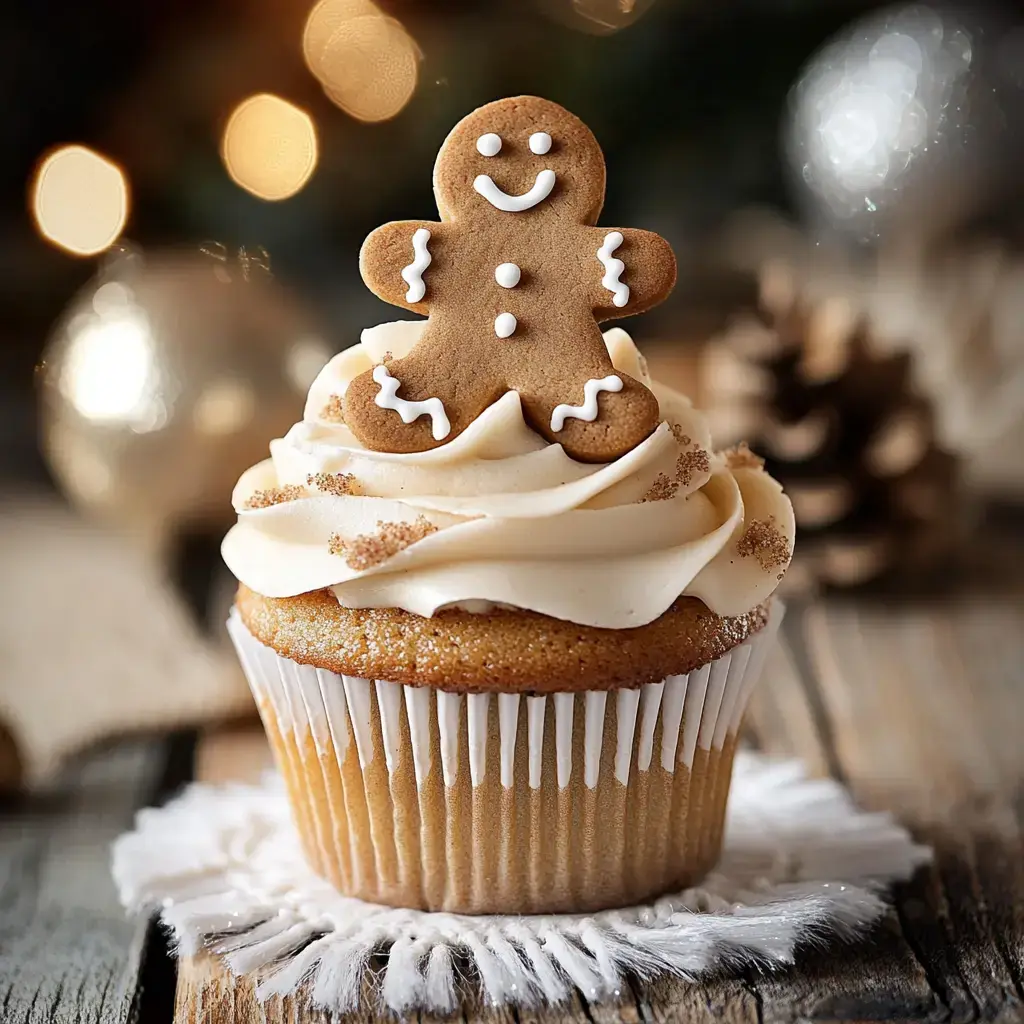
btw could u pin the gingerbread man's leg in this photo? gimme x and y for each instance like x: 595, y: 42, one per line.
x: 594, y: 418
x: 416, y: 403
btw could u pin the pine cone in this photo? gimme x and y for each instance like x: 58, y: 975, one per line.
x: 841, y: 427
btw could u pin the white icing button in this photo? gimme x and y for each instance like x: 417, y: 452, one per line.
x: 504, y: 325
x: 507, y: 275
x: 489, y: 144
x: 540, y: 143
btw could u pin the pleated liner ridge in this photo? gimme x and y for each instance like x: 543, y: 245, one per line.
x: 505, y: 803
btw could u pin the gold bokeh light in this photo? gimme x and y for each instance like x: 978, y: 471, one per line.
x: 323, y: 21
x: 269, y: 147
x: 79, y: 200
x: 370, y: 67
x: 367, y: 63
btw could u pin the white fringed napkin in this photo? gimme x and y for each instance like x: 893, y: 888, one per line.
x: 223, y: 867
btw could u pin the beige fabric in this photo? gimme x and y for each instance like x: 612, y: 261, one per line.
x: 95, y: 643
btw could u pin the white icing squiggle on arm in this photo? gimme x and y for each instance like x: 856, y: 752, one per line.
x: 388, y: 398
x: 613, y: 268
x: 588, y: 410
x: 501, y: 200
x: 412, y: 275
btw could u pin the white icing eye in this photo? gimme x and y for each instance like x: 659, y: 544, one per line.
x: 489, y: 144
x: 540, y: 143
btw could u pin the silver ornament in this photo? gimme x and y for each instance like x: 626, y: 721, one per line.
x: 164, y: 381
x: 893, y: 126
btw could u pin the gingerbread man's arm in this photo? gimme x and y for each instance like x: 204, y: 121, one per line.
x: 632, y: 270
x: 399, y: 261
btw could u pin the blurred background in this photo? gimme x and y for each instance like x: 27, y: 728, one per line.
x: 185, y: 187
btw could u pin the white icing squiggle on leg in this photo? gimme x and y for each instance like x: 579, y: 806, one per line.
x: 588, y: 410
x: 613, y: 268
x: 412, y: 275
x: 388, y: 398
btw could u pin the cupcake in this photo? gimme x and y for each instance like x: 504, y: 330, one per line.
x: 501, y: 605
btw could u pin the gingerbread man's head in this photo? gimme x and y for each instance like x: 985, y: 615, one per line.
x: 528, y: 155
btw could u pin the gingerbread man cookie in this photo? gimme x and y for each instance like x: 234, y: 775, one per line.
x: 515, y: 279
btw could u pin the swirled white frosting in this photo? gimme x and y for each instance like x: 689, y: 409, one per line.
x: 518, y: 522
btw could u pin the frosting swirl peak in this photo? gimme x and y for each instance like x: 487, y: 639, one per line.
x: 500, y: 516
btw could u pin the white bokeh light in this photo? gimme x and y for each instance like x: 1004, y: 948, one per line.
x: 109, y: 373
x: 871, y: 105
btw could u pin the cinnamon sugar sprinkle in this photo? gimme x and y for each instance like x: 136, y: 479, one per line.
x: 691, y: 464
x: 739, y: 456
x: 677, y: 433
x: 338, y: 484
x: 334, y: 410
x: 371, y: 549
x: 688, y: 465
x: 663, y: 488
x: 763, y: 540
x: 273, y: 496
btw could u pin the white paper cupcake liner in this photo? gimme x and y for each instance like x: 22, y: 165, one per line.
x: 499, y: 801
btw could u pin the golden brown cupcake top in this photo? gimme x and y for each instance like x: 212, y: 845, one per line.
x: 508, y: 651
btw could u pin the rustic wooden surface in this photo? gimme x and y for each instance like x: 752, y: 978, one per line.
x: 67, y: 952
x: 920, y: 710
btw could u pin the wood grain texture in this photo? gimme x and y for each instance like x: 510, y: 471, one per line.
x: 917, y: 710
x: 67, y: 951
x: 925, y: 719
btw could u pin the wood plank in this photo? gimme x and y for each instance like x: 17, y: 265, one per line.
x: 67, y: 951
x: 880, y: 977
x: 780, y: 719
x: 671, y: 1001
x: 925, y: 720
x: 877, y: 978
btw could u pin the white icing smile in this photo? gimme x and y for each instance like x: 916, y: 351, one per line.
x: 387, y: 398
x: 501, y: 200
